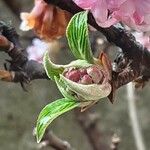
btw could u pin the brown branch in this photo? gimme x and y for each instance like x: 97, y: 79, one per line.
x: 24, y: 70
x: 89, y: 122
x: 50, y: 139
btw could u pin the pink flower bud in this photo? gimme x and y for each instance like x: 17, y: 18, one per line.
x: 86, y: 79
x: 73, y: 75
x: 95, y: 73
x: 83, y: 72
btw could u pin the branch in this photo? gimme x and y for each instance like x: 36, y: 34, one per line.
x: 50, y: 139
x: 21, y: 69
x: 90, y: 126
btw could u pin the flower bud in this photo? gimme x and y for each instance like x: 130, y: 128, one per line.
x: 73, y: 75
x: 96, y: 74
x: 89, y: 83
x: 86, y: 79
x: 79, y: 80
x: 88, y: 75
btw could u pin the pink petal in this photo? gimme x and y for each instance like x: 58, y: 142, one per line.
x: 114, y: 4
x: 142, y: 6
x: 108, y: 22
x: 85, y: 4
x: 138, y: 18
x: 100, y: 11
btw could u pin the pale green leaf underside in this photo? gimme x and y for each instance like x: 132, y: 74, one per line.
x: 50, y: 68
x: 88, y: 92
x: 78, y: 64
x: 63, y: 89
x: 78, y: 38
x: 51, y: 112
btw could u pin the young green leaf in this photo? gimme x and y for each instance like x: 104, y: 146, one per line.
x: 78, y: 38
x: 51, y: 112
x: 63, y: 89
x: 78, y: 64
x: 50, y: 68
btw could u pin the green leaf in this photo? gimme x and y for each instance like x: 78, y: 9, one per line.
x: 78, y: 64
x: 63, y: 89
x: 78, y: 38
x: 51, y: 112
x: 51, y: 68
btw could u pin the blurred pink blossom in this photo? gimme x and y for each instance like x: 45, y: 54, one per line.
x: 99, y: 9
x: 37, y: 49
x: 143, y: 38
x: 134, y: 13
x: 86, y: 4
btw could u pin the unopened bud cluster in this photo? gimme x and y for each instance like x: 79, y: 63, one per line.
x: 90, y: 75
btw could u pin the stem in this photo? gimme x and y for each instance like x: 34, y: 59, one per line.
x: 134, y: 119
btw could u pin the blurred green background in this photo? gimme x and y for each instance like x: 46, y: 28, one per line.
x: 19, y: 109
